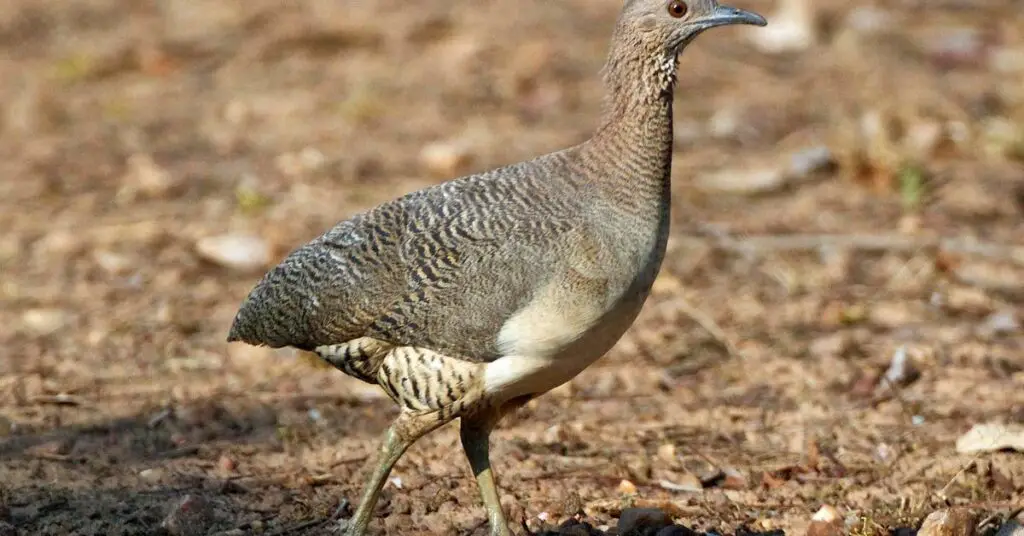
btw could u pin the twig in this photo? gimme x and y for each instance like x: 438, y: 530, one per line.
x: 709, y: 325
x: 868, y: 242
x: 941, y: 494
x: 159, y: 418
x: 346, y: 461
x: 61, y: 399
x: 313, y: 523
x: 180, y: 452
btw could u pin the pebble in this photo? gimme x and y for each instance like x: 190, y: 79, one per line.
x: 112, y: 263
x: 667, y: 452
x: 1000, y: 323
x: 44, y: 322
x: 826, y: 522
x: 733, y: 479
x: 811, y: 160
x: 445, y: 159
x: 152, y: 475
x: 686, y: 482
x: 226, y: 464
x: 748, y: 181
x: 902, y: 371
x: 627, y: 488
x: 967, y: 300
x: 1001, y: 137
x: 924, y: 138
x: 868, y: 20
x: 956, y: 47
x: 948, y: 522
x: 835, y: 345
x: 235, y: 251
x: 306, y: 161
x: 1007, y: 59
x: 192, y: 516
x: 991, y: 437
x: 145, y: 178
x: 792, y: 28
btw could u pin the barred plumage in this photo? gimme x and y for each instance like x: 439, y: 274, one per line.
x: 467, y: 299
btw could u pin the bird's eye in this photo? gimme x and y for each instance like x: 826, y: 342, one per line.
x: 677, y: 8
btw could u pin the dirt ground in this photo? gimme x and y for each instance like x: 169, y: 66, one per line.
x: 132, y: 131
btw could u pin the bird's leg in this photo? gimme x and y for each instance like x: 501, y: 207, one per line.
x: 406, y: 429
x: 475, y: 434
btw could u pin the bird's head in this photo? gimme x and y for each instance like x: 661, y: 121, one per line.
x: 674, y: 23
x: 649, y: 37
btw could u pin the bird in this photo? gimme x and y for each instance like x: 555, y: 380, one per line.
x: 466, y: 299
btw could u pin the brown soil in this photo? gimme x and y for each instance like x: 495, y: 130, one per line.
x: 119, y: 396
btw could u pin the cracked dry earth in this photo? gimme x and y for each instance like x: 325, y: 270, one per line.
x: 143, y: 142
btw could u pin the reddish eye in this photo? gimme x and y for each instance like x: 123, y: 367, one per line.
x: 677, y: 8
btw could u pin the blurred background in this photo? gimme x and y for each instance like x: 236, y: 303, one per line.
x: 840, y: 303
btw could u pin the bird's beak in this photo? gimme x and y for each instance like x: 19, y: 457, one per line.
x: 724, y: 15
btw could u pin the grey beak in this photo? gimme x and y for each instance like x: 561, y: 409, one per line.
x: 730, y: 15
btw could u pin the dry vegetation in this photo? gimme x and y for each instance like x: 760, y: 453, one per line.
x: 138, y: 135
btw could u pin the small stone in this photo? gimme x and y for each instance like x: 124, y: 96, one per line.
x: 7, y: 529
x: 826, y: 522
x: 956, y: 47
x: 724, y: 123
x: 238, y: 252
x: 438, y: 523
x: 1001, y: 137
x: 152, y: 475
x: 445, y: 159
x: 1007, y: 59
x: 924, y: 138
x: 792, y: 28
x: 948, y: 522
x: 226, y: 464
x: 868, y: 20
x: 112, y: 263
x: 1011, y: 528
x: 1000, y: 323
x: 991, y: 437
x: 835, y: 345
x: 687, y: 482
x: 192, y: 516
x: 667, y: 452
x: 748, y: 182
x: 145, y: 178
x: 733, y: 479
x: 637, y: 521
x: 968, y: 300
x: 902, y: 370
x: 807, y: 162
x: 45, y: 321
x: 627, y: 488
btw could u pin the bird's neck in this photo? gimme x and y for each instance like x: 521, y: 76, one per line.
x: 633, y: 143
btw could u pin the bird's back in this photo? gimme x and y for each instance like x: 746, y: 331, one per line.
x: 442, y: 268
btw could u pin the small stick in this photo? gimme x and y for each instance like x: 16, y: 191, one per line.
x: 61, y: 399
x: 710, y: 326
x: 180, y: 452
x: 159, y: 418
x: 869, y: 242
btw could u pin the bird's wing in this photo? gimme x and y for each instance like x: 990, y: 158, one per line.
x: 442, y: 268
